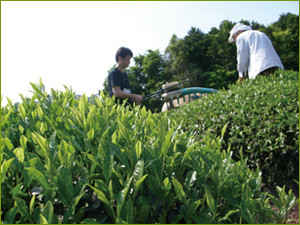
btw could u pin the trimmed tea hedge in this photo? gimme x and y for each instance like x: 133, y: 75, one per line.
x: 263, y: 121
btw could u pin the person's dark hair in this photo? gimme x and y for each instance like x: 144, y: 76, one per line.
x: 123, y: 52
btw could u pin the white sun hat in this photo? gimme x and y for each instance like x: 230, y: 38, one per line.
x: 236, y: 28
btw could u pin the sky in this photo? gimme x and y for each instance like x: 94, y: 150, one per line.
x: 73, y: 43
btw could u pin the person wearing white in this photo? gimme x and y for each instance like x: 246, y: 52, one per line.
x: 255, y: 52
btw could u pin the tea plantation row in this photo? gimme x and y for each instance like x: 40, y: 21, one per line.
x: 67, y: 160
x: 263, y: 122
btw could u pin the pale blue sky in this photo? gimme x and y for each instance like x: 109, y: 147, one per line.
x: 74, y: 43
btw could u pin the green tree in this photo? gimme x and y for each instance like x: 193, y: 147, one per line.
x: 186, y: 57
x: 147, y: 76
x: 285, y: 37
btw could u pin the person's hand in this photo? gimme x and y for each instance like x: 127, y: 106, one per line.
x: 241, y: 79
x: 137, y: 98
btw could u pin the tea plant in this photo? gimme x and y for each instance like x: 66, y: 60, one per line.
x: 68, y: 160
x: 263, y: 120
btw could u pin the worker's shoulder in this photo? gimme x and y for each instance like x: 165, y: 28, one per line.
x: 254, y: 33
x: 114, y: 72
x: 251, y: 35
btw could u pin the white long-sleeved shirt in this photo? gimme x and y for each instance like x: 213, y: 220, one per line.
x: 255, y: 53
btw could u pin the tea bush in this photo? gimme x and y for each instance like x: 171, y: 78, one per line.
x: 263, y: 120
x: 67, y: 160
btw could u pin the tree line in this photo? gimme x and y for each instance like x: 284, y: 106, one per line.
x: 208, y: 60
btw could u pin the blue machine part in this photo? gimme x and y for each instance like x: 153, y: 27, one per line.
x: 193, y: 91
x: 202, y: 90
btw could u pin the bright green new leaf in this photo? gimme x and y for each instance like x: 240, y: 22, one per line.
x: 90, y: 134
x: 23, y: 141
x: 19, y: 153
x: 4, y: 167
x: 43, y: 220
x: 36, y: 89
x: 179, y: 190
x: 5, y: 142
x: 138, y: 149
x: 22, y: 111
x: 21, y: 129
x: 167, y: 142
x: 31, y: 205
x: 41, y: 141
x: 167, y: 184
x: 223, y: 130
x: 66, y: 153
x: 111, y: 191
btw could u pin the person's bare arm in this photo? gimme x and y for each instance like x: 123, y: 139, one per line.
x: 121, y: 94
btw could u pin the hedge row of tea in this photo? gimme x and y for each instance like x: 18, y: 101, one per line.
x: 263, y: 122
x: 67, y: 160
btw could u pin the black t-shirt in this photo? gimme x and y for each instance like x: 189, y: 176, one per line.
x: 117, y: 78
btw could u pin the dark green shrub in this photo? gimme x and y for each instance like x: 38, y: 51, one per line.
x: 263, y: 120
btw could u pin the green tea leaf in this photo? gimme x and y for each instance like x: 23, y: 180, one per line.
x: 167, y: 184
x: 138, y: 171
x: 4, y: 167
x: 5, y: 142
x: 138, y: 185
x: 42, y: 142
x: 138, y: 149
x: 167, y: 142
x: 65, y: 186
x: 210, y: 201
x: 19, y: 153
x: 23, y: 141
x: 17, y: 191
x: 22, y: 208
x: 100, y: 195
x: 22, y: 111
x: 47, y: 212
x: 228, y: 215
x: 10, y: 216
x: 38, y: 176
x: 43, y: 220
x: 179, y: 190
x: 108, y: 164
x: 90, y: 134
x: 122, y: 196
x: 31, y: 205
x: 37, y: 90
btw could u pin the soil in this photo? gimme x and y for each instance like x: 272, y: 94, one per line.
x: 294, y: 215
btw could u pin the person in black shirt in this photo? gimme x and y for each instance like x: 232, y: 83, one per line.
x: 118, y: 84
